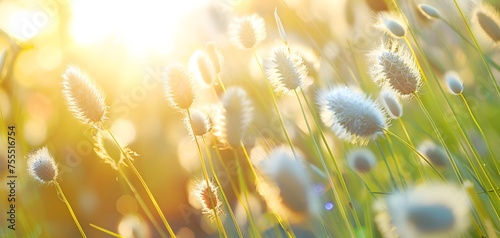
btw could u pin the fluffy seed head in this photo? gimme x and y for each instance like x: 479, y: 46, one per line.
x: 391, y: 104
x: 488, y: 22
x: 287, y: 185
x: 41, y: 165
x: 434, y: 154
x: 285, y: 69
x: 179, y: 87
x: 208, y: 196
x: 202, y: 67
x: 199, y: 123
x: 234, y: 117
x: 454, y: 83
x: 391, y: 24
x: 395, y: 69
x: 352, y: 116
x: 429, y: 11
x: 247, y: 32
x: 361, y: 160
x: 439, y: 210
x: 215, y: 56
x: 106, y: 148
x: 85, y: 100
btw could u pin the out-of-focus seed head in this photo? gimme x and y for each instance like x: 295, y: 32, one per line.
x: 439, y: 210
x: 215, y: 56
x: 285, y: 70
x: 429, y: 11
x: 247, y: 32
x: 487, y: 22
x: 391, y: 104
x: 454, y: 83
x: 234, y: 117
x: 179, y: 88
x: 42, y: 166
x: 361, y: 160
x: 353, y: 117
x: 287, y: 186
x: 435, y: 154
x: 85, y: 100
x: 203, y: 68
x: 391, y: 24
x: 133, y: 226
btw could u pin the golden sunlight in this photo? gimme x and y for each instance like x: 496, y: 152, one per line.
x: 139, y: 26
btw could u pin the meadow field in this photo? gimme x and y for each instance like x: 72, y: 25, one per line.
x: 250, y: 118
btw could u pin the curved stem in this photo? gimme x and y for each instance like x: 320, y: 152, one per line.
x: 417, y: 162
x: 143, y: 183
x: 141, y: 203
x: 59, y: 190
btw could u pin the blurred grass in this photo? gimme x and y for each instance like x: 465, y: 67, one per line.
x: 31, y: 100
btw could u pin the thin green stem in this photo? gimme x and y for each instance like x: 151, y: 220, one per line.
x: 335, y: 163
x: 440, y: 138
x: 417, y: 162
x: 59, y: 190
x: 141, y: 203
x: 284, y: 224
x: 323, y: 163
x: 481, y: 132
x: 231, y: 182
x: 395, y: 185
x: 107, y: 231
x: 490, y: 61
x: 478, y: 47
x: 224, y: 197
x: 222, y: 231
x: 143, y: 183
x: 221, y: 83
x: 244, y: 191
x: 275, y: 104
x: 415, y: 151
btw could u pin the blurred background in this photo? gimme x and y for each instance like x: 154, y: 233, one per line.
x: 125, y: 46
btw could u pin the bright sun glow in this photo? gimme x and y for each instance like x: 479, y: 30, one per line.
x: 141, y: 26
